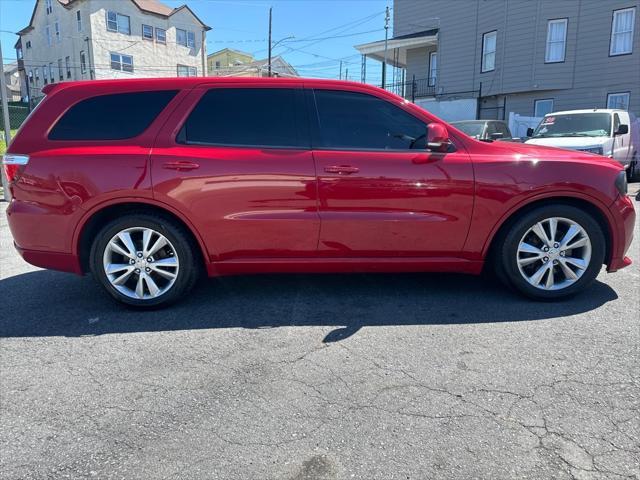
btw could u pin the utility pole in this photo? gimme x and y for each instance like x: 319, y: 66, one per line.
x: 340, y: 69
x: 7, y: 127
x: 346, y: 74
x: 269, y: 61
x: 386, y: 38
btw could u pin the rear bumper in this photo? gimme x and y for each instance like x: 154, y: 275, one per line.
x: 64, y: 262
x: 624, y: 217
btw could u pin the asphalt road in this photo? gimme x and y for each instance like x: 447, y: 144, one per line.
x: 318, y: 377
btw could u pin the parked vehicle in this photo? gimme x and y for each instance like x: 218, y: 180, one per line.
x: 486, y: 130
x: 612, y: 133
x: 147, y: 182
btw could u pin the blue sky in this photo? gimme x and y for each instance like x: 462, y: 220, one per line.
x: 242, y: 25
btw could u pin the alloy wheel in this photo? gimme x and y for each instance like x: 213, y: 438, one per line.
x: 554, y: 253
x: 140, y: 263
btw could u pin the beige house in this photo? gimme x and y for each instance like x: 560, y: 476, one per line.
x: 226, y: 58
x: 99, y: 39
x: 234, y: 63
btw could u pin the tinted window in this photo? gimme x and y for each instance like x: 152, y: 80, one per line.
x: 473, y: 129
x: 503, y: 129
x: 266, y: 117
x: 111, y: 117
x: 358, y: 120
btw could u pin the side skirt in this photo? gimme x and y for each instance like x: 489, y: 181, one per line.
x: 343, y: 265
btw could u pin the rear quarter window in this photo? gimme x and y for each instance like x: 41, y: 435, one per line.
x: 111, y: 117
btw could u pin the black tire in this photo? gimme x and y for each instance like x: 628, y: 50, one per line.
x: 506, y: 257
x: 183, y: 248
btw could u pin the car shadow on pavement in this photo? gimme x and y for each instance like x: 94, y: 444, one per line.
x: 47, y: 303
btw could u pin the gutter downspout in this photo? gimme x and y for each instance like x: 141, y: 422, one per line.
x: 203, y: 54
x: 92, y: 73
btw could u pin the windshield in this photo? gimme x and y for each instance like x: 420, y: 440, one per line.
x: 574, y: 125
x: 472, y: 129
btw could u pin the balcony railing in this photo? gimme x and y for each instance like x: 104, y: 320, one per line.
x: 414, y: 88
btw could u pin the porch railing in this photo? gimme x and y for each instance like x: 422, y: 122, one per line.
x: 414, y: 88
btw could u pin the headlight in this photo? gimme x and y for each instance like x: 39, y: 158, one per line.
x: 621, y: 182
x: 596, y: 150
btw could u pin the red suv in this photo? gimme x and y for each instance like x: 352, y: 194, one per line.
x: 146, y: 183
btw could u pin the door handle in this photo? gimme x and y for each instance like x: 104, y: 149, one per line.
x: 180, y: 166
x: 341, y: 169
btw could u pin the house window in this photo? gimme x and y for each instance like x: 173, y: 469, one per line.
x: 51, y: 78
x: 30, y: 77
x: 217, y: 64
x: 83, y: 62
x: 556, y: 40
x: 622, y: 31
x: 79, y: 20
x: 489, y: 51
x: 118, y: 23
x: 60, y: 71
x: 45, y: 78
x: 542, y: 107
x: 147, y: 32
x: 47, y: 31
x: 28, y: 43
x: 161, y: 35
x: 187, y: 71
x: 433, y: 68
x: 19, y: 55
x: 67, y: 64
x: 183, y: 37
x: 618, y: 100
x: 49, y: 4
x: 57, y: 30
x: 37, y: 75
x: 121, y: 62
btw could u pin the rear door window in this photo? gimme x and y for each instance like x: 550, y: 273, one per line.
x: 111, y: 117
x: 249, y: 117
x: 353, y: 120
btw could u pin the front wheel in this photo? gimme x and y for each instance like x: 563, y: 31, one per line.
x: 144, y: 260
x: 552, y: 252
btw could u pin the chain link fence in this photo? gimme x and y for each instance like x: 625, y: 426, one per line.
x: 18, y: 112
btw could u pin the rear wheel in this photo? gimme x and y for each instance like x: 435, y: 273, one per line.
x: 144, y: 260
x: 552, y: 252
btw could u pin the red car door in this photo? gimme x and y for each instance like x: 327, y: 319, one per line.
x: 381, y: 192
x: 236, y: 161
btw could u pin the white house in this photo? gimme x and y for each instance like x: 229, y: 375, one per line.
x: 12, y: 81
x: 99, y: 39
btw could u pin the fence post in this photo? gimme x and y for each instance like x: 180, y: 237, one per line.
x: 6, y: 125
x: 479, y: 102
x: 413, y: 89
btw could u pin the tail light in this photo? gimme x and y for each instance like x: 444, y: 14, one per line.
x: 13, y: 165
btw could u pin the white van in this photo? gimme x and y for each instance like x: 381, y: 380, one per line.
x: 608, y: 132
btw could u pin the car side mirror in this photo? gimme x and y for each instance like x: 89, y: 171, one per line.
x: 496, y: 135
x: 623, y: 129
x: 529, y: 132
x: 437, y: 137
